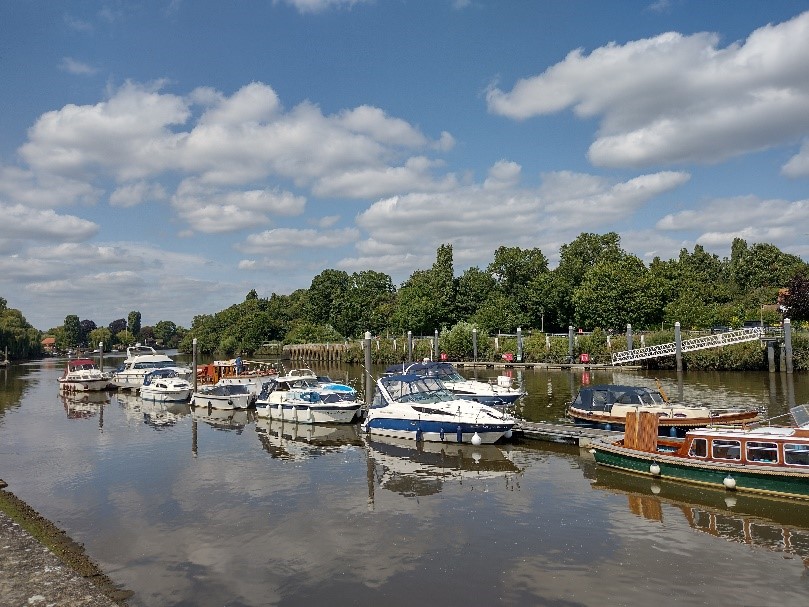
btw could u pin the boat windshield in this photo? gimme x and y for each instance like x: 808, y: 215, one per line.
x: 422, y: 389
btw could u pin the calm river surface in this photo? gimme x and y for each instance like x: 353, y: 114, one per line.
x: 187, y: 510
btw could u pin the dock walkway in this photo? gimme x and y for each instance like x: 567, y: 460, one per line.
x: 564, y: 433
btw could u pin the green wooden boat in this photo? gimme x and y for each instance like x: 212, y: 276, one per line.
x: 768, y: 460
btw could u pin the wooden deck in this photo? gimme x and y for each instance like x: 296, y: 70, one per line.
x: 563, y: 433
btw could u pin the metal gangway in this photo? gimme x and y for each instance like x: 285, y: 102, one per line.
x: 689, y: 345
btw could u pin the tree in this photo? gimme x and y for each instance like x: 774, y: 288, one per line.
x: 499, y: 314
x: 762, y: 265
x: 575, y: 260
x: 165, y: 332
x: 513, y: 268
x: 116, y: 326
x: 133, y: 323
x: 796, y: 297
x: 101, y: 335
x: 85, y: 327
x: 72, y: 332
x: 616, y: 292
x: 472, y: 289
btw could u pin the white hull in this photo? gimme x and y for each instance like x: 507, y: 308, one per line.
x: 215, y: 401
x: 83, y: 385
x: 165, y: 396
x: 486, y: 438
x: 334, y: 413
x: 133, y: 379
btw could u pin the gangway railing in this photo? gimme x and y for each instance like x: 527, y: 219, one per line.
x: 689, y: 345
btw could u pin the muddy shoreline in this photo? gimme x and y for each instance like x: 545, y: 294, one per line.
x: 70, y: 553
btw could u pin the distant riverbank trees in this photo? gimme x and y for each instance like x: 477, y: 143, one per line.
x: 595, y: 286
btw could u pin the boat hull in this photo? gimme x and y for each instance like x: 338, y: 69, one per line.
x: 343, y: 412
x: 781, y: 481
x: 665, y: 423
x: 219, y: 401
x: 435, y: 431
x: 84, y: 385
x: 165, y: 396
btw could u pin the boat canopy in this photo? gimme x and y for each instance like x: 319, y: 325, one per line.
x: 441, y: 370
x: 81, y: 363
x: 603, y: 397
x: 159, y: 374
x: 408, y: 388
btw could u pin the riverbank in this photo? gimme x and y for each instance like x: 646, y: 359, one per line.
x: 41, y: 565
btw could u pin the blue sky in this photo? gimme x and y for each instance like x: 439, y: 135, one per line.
x: 169, y: 156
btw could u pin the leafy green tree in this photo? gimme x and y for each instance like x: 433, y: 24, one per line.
x: 513, y: 268
x: 616, y: 292
x: 416, y: 308
x: 125, y: 338
x: 443, y: 278
x: 101, y: 335
x: 72, y: 331
x: 85, y: 327
x: 365, y: 305
x: 116, y: 326
x: 472, y: 289
x: 304, y: 332
x: 133, y: 323
x: 18, y: 338
x: 326, y: 288
x: 165, y: 332
x: 575, y: 260
x: 499, y: 314
x: 762, y: 265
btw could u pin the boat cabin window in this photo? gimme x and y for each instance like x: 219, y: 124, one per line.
x: 726, y: 449
x: 761, y: 452
x: 699, y: 448
x: 796, y: 454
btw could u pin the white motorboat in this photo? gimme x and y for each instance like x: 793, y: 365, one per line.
x: 306, y: 405
x: 139, y: 361
x: 497, y: 392
x: 307, y: 379
x: 83, y: 375
x: 165, y: 385
x: 422, y: 409
x: 231, y: 396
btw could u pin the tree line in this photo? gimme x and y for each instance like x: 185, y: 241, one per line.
x: 596, y: 285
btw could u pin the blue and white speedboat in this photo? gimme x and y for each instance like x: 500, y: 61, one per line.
x: 422, y: 409
x: 500, y: 392
x: 305, y: 405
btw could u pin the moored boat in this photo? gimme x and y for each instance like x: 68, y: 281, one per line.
x: 607, y: 406
x: 308, y: 405
x: 83, y: 375
x: 165, y: 385
x: 498, y: 392
x: 230, y: 396
x: 139, y: 361
x: 421, y: 408
x: 769, y: 460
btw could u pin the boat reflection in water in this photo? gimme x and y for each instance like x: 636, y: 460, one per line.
x: 222, y: 419
x: 298, y: 441
x: 417, y: 469
x: 83, y: 405
x: 157, y: 415
x: 778, y: 525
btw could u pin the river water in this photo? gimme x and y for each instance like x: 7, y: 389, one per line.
x: 190, y: 510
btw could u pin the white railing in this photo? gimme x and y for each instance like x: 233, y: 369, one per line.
x: 689, y: 345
